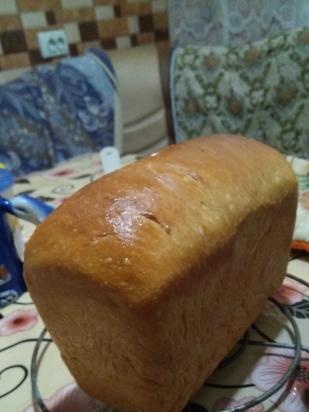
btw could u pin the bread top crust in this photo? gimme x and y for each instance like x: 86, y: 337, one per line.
x: 138, y: 231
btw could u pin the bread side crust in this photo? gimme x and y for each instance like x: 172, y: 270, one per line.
x: 207, y: 241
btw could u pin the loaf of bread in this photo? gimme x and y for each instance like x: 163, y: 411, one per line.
x: 148, y: 277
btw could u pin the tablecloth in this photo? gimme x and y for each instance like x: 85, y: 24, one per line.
x: 257, y: 363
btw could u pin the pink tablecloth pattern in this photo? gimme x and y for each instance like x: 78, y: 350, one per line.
x: 255, y: 370
x: 301, y: 231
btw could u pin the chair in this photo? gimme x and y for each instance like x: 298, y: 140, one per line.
x: 259, y: 90
x: 53, y: 113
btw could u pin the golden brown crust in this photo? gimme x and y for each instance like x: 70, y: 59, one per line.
x: 163, y: 264
x: 140, y: 208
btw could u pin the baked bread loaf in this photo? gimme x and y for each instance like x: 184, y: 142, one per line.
x: 147, y: 277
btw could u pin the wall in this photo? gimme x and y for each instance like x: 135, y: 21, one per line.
x: 110, y: 24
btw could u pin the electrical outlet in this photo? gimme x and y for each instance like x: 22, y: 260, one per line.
x: 53, y: 43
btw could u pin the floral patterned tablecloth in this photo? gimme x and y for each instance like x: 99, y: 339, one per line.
x: 257, y: 367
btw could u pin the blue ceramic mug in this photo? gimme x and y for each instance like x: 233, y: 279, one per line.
x: 12, y: 284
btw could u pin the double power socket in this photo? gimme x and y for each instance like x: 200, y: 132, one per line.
x: 53, y: 43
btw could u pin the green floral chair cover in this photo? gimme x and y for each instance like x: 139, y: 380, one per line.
x: 260, y: 90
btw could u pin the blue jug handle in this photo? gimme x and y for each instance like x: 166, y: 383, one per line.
x: 5, y: 206
x: 29, y: 208
x: 12, y: 283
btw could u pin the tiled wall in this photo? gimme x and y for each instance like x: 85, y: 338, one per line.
x: 107, y: 23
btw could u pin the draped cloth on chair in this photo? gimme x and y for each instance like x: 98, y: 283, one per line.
x: 233, y: 22
x: 56, y: 112
x: 259, y: 90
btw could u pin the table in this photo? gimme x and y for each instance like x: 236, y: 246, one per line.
x: 255, y: 367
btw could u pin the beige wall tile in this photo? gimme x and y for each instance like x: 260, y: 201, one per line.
x: 35, y: 5
x: 123, y: 42
x: 158, y: 5
x: 12, y: 74
x: 8, y: 23
x: 133, y: 25
x: 113, y: 28
x: 73, y: 4
x: 8, y: 7
x: 72, y: 31
x: 32, y: 19
x: 14, y: 61
x: 104, y: 12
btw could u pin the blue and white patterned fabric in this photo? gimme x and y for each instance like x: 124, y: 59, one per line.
x: 56, y: 112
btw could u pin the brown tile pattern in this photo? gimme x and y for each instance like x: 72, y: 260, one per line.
x: 108, y: 2
x: 51, y: 17
x: 135, y: 9
x: 73, y: 50
x: 117, y: 10
x: 75, y: 15
x: 8, y: 23
x: 160, y: 21
x: 161, y: 35
x: 13, y: 61
x: 88, y: 31
x: 31, y: 39
x: 13, y: 42
x: 127, y: 23
x: 113, y: 28
x: 144, y: 38
x: 36, y: 5
x: 146, y: 23
x: 82, y: 47
x: 134, y: 40
x: 36, y: 58
x: 108, y: 44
